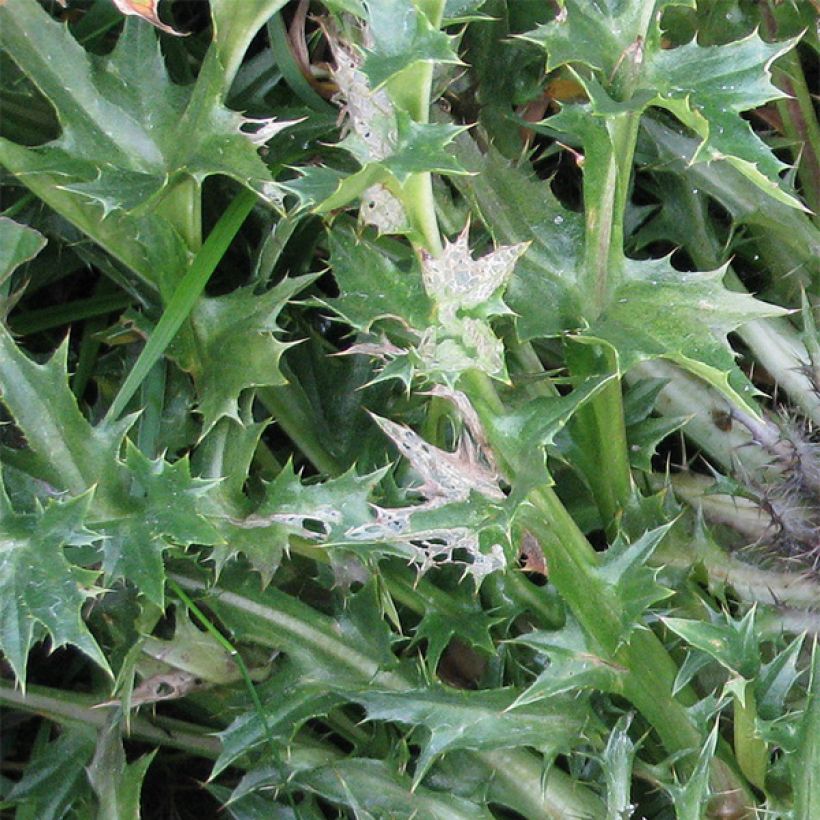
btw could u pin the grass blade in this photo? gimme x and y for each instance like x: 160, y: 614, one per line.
x: 184, y: 298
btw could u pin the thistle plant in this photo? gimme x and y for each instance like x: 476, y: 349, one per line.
x: 409, y: 408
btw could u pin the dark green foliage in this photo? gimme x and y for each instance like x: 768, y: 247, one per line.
x: 396, y: 465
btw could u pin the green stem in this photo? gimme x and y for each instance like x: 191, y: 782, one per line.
x: 410, y: 91
x: 600, y: 428
x: 573, y: 566
x: 606, y: 189
x: 806, y: 766
x: 82, y: 710
x: 181, y: 205
x: 750, y: 749
x: 607, y: 173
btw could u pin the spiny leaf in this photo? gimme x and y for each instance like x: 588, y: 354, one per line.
x: 524, y: 432
x: 706, y: 87
x: 235, y: 347
x: 776, y: 679
x: 163, y: 512
x: 456, y: 281
x: 128, y: 131
x: 517, y: 207
x: 41, y: 593
x: 570, y: 664
x: 371, y: 788
x: 733, y: 644
x: 458, y: 719
x: 372, y: 287
x: 55, y: 778
x: 690, y: 798
x: 402, y: 36
x: 289, y: 699
x: 75, y: 455
x: 624, y: 568
x: 654, y: 312
x: 659, y: 312
x: 618, y: 758
x: 146, y: 244
x: 388, y: 142
x: 324, y: 512
x: 598, y: 33
x: 117, y: 783
x: 469, y: 624
x: 18, y: 244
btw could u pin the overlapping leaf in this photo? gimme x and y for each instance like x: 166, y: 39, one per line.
x: 164, y: 511
x: 402, y: 36
x: 457, y: 719
x: 570, y: 665
x: 655, y: 311
x: 71, y: 454
x: 706, y: 87
x: 128, y: 132
x: 41, y: 593
x: 235, y: 347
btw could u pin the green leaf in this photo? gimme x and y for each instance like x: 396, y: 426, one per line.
x: 690, y: 798
x: 454, y: 613
x: 55, y: 778
x: 805, y: 762
x: 706, y: 87
x: 371, y: 788
x: 18, y: 244
x: 459, y: 719
x: 659, y: 312
x: 116, y: 783
x: 260, y: 806
x: 654, y: 312
x: 289, y: 699
x: 422, y: 148
x: 76, y: 455
x: 635, y: 584
x: 598, y: 33
x: 402, y: 37
x: 124, y: 122
x: 517, y: 207
x: 163, y: 512
x: 185, y: 296
x: 776, y: 679
x: 147, y: 244
x: 733, y: 644
x: 571, y: 665
x: 41, y: 593
x: 645, y: 437
x: 373, y: 287
x: 618, y: 758
x: 324, y: 512
x: 525, y: 431
x: 235, y: 347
